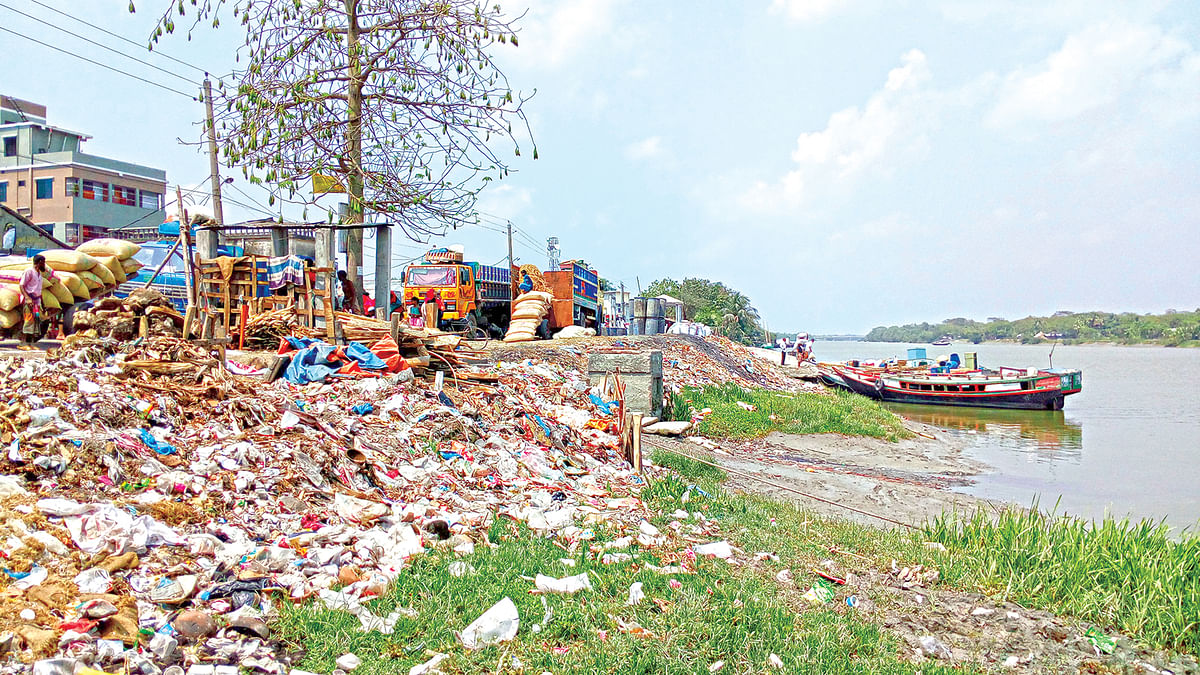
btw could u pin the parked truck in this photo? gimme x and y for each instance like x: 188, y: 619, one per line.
x: 477, y: 299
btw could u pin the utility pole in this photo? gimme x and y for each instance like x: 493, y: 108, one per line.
x: 510, y: 260
x: 207, y: 239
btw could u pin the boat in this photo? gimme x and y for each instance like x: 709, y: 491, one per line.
x: 1014, y: 388
x: 942, y: 342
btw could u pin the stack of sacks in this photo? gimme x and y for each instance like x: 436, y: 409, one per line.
x: 115, y: 254
x: 55, y: 293
x: 528, y: 311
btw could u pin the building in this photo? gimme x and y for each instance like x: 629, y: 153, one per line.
x: 45, y: 177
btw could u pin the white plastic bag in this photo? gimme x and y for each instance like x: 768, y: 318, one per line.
x: 566, y: 585
x: 498, y: 624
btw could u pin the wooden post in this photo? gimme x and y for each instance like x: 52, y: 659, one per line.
x: 243, y: 319
x: 636, y: 447
x: 187, y: 249
x: 189, y: 317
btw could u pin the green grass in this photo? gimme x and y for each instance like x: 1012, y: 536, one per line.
x: 1131, y: 576
x: 1128, y: 577
x: 721, y: 612
x: 801, y: 413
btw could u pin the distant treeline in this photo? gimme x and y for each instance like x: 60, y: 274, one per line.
x: 1171, y: 329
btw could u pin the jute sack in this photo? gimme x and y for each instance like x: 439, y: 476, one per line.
x: 118, y: 247
x: 10, y: 298
x: 74, y: 284
x: 68, y: 261
x: 518, y: 337
x: 60, y: 292
x: 130, y: 266
x: 105, y: 274
x: 9, y: 318
x: 543, y: 296
x: 527, y: 311
x: 113, y: 264
x: 90, y: 280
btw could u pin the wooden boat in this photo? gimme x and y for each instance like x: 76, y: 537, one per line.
x: 941, y: 342
x: 1024, y: 389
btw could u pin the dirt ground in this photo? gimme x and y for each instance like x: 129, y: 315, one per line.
x: 906, y: 481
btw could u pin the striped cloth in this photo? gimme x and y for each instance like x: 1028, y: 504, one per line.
x: 285, y: 270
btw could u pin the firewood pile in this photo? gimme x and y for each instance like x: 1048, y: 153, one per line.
x: 122, y: 318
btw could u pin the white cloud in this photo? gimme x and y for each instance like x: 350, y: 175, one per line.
x: 1093, y: 68
x: 505, y: 201
x: 647, y: 148
x: 805, y: 10
x: 553, y: 33
x: 893, y: 123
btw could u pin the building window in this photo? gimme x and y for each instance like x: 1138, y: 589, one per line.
x: 10, y: 146
x: 72, y: 186
x: 44, y: 188
x: 125, y: 196
x: 4, y: 191
x: 90, y: 189
x: 150, y: 200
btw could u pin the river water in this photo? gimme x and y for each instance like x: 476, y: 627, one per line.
x: 1127, y: 445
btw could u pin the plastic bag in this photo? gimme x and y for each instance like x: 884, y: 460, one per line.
x: 498, y: 624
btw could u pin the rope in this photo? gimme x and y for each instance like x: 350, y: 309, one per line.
x: 781, y: 486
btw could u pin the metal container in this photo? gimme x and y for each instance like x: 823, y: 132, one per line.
x: 971, y: 360
x: 637, y: 326
x: 654, y: 325
x: 916, y: 353
x: 654, y: 308
x: 639, y: 308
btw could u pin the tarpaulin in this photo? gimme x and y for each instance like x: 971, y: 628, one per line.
x: 315, y: 360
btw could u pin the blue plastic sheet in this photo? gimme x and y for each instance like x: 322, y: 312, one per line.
x: 157, y: 445
x: 363, y: 409
x: 314, y: 360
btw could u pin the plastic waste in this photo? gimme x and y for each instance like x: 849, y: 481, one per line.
x: 716, y: 549
x: 347, y: 662
x: 820, y: 593
x: 498, y: 624
x: 1100, y: 641
x: 934, y: 648
x: 426, y: 668
x: 635, y: 594
x: 42, y: 416
x: 565, y: 585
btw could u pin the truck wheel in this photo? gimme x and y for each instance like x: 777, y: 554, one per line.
x: 473, y: 332
x: 68, y: 320
x: 543, y: 331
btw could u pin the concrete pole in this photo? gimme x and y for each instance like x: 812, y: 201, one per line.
x: 279, y: 241
x: 383, y: 270
x: 206, y: 240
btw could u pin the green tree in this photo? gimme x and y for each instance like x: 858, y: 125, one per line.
x: 713, y: 304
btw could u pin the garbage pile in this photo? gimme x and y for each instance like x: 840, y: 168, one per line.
x: 144, y: 312
x: 688, y: 360
x: 158, y: 508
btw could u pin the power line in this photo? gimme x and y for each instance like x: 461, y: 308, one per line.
x: 102, y: 46
x: 118, y: 36
x: 102, y: 65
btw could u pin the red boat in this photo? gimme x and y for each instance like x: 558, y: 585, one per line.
x: 1020, y: 388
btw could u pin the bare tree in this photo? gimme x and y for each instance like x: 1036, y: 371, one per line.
x: 399, y: 101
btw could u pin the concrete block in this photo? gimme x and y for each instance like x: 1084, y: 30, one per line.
x: 641, y: 373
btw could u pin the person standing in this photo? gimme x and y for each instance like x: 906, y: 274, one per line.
x: 368, y: 304
x: 31, y: 297
x: 350, y: 298
x: 432, y: 310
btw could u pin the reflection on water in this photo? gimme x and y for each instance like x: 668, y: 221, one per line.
x: 1045, y: 434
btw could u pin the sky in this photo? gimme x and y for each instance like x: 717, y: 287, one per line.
x: 844, y: 163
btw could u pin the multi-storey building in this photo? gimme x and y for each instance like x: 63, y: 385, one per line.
x: 46, y: 177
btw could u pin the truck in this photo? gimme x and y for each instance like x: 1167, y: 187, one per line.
x: 477, y: 298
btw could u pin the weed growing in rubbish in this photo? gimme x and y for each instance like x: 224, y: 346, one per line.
x: 837, y: 412
x: 1131, y: 576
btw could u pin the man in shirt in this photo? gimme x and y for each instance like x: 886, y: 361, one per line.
x: 31, y: 298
